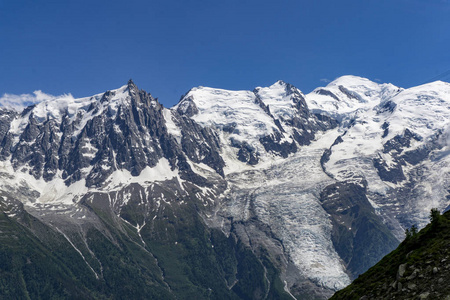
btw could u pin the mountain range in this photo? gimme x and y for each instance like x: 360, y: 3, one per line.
x: 263, y: 194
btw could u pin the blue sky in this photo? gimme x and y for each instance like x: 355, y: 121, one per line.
x: 167, y: 47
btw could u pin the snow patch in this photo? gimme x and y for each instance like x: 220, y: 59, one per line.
x: 120, y: 178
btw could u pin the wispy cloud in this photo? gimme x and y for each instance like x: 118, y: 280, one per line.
x: 19, y: 102
x: 325, y: 80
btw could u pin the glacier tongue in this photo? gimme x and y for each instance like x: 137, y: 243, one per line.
x: 284, y: 194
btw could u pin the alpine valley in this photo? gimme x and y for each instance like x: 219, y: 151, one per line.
x: 263, y: 194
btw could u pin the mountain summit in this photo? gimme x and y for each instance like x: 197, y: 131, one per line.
x: 256, y: 194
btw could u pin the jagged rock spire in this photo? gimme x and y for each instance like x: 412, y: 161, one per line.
x: 130, y: 82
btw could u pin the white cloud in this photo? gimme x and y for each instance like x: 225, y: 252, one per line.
x: 325, y: 80
x: 19, y: 102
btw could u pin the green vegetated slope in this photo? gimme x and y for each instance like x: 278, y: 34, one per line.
x: 193, y: 261
x: 418, y: 269
x: 31, y: 270
x: 175, y: 258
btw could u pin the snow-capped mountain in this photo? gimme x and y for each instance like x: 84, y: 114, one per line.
x: 303, y: 191
x: 394, y: 140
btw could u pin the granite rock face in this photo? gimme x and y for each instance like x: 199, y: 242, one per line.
x: 123, y: 129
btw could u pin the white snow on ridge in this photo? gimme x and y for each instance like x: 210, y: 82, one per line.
x: 55, y: 107
x: 220, y: 108
x: 55, y: 192
x: 346, y: 95
x: 423, y: 109
x: 363, y: 90
x: 276, y: 98
x: 172, y: 128
x: 121, y: 178
x: 235, y: 114
x: 19, y: 102
x: 238, y: 117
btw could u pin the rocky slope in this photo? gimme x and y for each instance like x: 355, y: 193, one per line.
x: 418, y: 269
x: 256, y: 194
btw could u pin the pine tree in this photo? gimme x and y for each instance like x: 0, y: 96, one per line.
x: 413, y: 230
x: 407, y: 233
x: 435, y: 215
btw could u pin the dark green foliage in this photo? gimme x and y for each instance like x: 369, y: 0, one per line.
x: 435, y: 216
x: 251, y: 283
x: 225, y: 258
x: 407, y: 233
x: 32, y: 270
x: 176, y: 257
x: 413, y: 230
x: 129, y: 271
x: 420, y: 251
x: 202, y: 263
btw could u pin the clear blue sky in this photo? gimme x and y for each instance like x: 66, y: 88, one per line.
x: 167, y: 47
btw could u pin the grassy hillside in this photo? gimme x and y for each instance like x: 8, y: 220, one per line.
x: 418, y: 269
x: 178, y: 257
